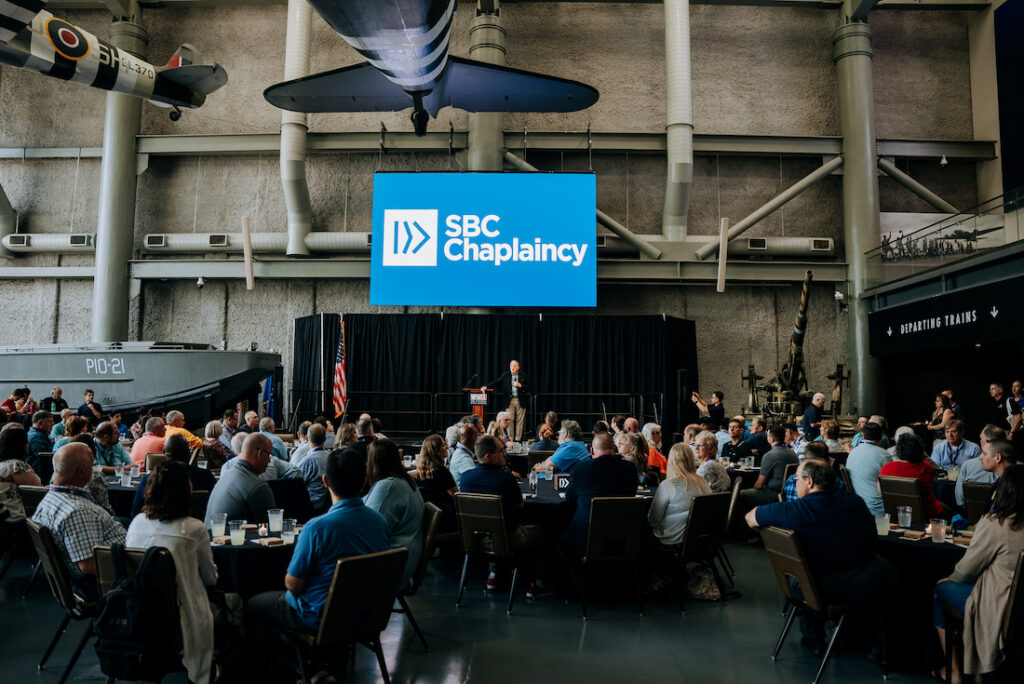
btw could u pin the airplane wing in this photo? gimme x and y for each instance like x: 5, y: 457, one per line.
x: 188, y: 68
x: 357, y: 88
x: 16, y: 15
x: 479, y: 87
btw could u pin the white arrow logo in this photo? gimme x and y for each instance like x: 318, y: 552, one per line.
x: 994, y: 312
x: 889, y: 331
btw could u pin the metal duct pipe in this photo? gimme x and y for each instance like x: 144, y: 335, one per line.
x: 49, y: 243
x: 645, y: 248
x: 264, y: 243
x: 679, y: 125
x: 487, y: 129
x: 909, y: 183
x: 8, y: 221
x: 768, y: 208
x: 293, y: 132
x: 783, y: 246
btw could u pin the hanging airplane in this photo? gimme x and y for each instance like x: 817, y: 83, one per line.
x: 32, y: 38
x: 405, y: 43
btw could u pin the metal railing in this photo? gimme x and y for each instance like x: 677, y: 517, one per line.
x: 992, y: 224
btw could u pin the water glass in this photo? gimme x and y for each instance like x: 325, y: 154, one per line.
x: 904, y: 516
x: 882, y: 523
x: 275, y: 516
x: 126, y: 477
x: 218, y: 522
x: 549, y: 474
x: 237, y: 532
x: 201, y: 462
x: 938, y: 530
x: 533, y: 481
x: 288, y: 530
x: 953, y: 473
x: 136, y: 471
x: 407, y: 459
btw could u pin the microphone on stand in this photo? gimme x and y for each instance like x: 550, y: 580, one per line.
x: 476, y: 376
x: 604, y: 412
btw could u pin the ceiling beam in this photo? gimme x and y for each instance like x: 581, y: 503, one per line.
x: 957, y: 5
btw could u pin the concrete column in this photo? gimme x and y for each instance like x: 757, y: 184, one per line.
x: 985, y: 96
x: 8, y: 222
x: 115, y: 229
x: 861, y: 232
x: 487, y: 129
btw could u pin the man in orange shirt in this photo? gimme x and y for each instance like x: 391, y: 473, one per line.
x: 151, y: 442
x: 176, y: 426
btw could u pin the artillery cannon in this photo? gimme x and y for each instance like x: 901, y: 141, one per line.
x: 786, y: 394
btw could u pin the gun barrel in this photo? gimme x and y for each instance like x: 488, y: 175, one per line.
x: 796, y: 344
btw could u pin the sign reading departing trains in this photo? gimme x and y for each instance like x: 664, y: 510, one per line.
x: 484, y: 239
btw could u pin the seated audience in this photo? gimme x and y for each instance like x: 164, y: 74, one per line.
x: 349, y: 528
x: 773, y: 470
x: 151, y: 441
x: 228, y: 428
x: 14, y: 471
x: 59, y: 428
x: 606, y: 474
x: 55, y: 403
x: 735, y: 450
x: 75, y: 427
x: 463, y: 458
x: 864, y: 464
x: 954, y: 450
x: 109, y: 452
x: 838, y: 537
x: 313, y: 468
x: 671, y: 506
x: 499, y: 427
x: 267, y: 428
x: 78, y: 524
x: 655, y: 459
x: 571, y: 450
x: 551, y: 420
x: 436, y: 484
x: 629, y: 446
x: 974, y: 470
x: 364, y: 435
x: 164, y: 521
x: 795, y: 439
x: 618, y: 424
x: 39, y: 441
x: 176, y: 449
x: 252, y: 421
x: 545, y: 439
x: 122, y: 430
x: 830, y: 435
x: 175, y: 425
x: 213, y: 448
x: 302, y: 442
x: 859, y: 434
x: 240, y: 492
x: 346, y: 436
x: 911, y: 463
x: 758, y: 440
x: 599, y: 427
x: 979, y: 587
x: 139, y: 426
x: 900, y: 431
x: 705, y: 447
x: 276, y: 469
x: 395, y: 495
x: 816, y: 450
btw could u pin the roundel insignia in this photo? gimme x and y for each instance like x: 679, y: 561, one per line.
x: 67, y: 40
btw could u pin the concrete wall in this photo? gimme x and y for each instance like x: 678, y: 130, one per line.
x: 756, y: 71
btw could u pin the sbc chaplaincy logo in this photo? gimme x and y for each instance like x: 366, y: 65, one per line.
x: 410, y: 237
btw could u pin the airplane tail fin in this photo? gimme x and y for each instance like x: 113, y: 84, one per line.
x: 188, y: 68
x: 468, y: 84
x: 479, y: 87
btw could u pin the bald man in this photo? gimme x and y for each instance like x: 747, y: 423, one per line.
x: 240, y: 492
x: 811, y: 426
x: 77, y: 523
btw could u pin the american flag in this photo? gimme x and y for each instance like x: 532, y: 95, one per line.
x: 340, y: 387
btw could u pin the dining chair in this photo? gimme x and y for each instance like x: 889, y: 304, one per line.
x: 484, y: 536
x: 902, y: 491
x: 702, y: 541
x: 613, y: 538
x: 431, y: 520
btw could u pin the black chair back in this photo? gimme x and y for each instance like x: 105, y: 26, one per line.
x: 293, y: 496
x: 431, y: 521
x: 359, y: 602
x: 844, y: 475
x: 154, y: 459
x: 616, y: 523
x: 705, y: 526
x: 535, y: 457
x: 481, y: 517
x: 53, y: 564
x: 197, y: 504
x: 31, y: 496
x: 788, y: 562
x: 45, y: 466
x: 902, y: 491
x: 789, y: 470
x: 733, y: 504
x: 977, y: 500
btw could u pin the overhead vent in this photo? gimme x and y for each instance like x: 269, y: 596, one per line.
x: 155, y: 241
x: 757, y: 244
x: 78, y: 240
x: 821, y: 245
x: 218, y: 240
x: 17, y: 240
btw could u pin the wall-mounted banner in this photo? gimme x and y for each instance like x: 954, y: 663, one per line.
x: 979, y: 315
x: 484, y: 239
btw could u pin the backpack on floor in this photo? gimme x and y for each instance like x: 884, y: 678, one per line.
x: 137, y: 624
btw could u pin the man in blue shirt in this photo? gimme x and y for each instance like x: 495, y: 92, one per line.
x: 462, y: 458
x: 758, y: 440
x: 838, y: 538
x: 811, y: 425
x: 314, y: 466
x: 267, y: 428
x: 955, y: 450
x: 109, y: 452
x: 607, y: 474
x: 863, y: 464
x: 571, y: 449
x: 39, y: 441
x: 348, y: 528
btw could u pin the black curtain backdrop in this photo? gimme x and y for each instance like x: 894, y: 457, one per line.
x: 314, y: 348
x: 397, y: 363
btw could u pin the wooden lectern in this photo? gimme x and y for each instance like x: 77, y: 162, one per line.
x: 477, y: 401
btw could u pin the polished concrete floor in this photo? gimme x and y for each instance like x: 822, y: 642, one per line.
x: 543, y: 641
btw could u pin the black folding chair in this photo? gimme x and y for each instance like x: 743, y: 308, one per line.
x: 616, y: 523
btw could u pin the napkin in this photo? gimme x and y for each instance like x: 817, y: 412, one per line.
x: 221, y: 540
x: 914, y: 534
x: 270, y: 541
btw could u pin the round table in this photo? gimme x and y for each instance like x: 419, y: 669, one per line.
x: 919, y: 565
x: 121, y: 498
x: 747, y: 475
x: 251, y: 568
